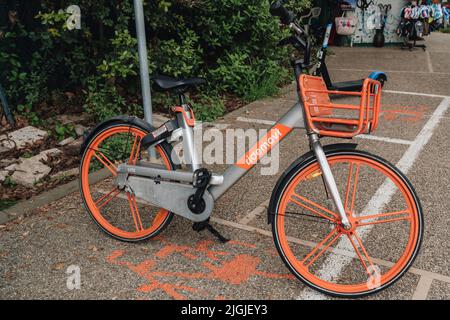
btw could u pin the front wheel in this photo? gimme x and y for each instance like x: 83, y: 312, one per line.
x: 382, y: 206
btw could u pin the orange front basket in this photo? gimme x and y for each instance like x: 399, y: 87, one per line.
x: 340, y: 120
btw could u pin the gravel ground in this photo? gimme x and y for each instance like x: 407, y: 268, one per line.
x: 36, y: 251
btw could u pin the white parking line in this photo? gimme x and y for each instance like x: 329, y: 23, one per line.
x: 384, y: 139
x: 391, y: 71
x: 364, y: 136
x: 254, y: 213
x: 423, y: 287
x: 333, y: 266
x: 258, y: 121
x: 416, y: 94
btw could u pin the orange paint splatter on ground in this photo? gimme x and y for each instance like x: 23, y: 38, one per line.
x: 202, y: 246
x: 404, y: 113
x: 272, y: 252
x: 232, y: 271
x: 242, y: 244
x: 112, y: 258
x: 236, y: 271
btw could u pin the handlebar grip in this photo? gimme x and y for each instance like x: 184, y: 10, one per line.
x: 278, y: 10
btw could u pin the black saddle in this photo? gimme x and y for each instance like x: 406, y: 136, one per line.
x: 179, y: 86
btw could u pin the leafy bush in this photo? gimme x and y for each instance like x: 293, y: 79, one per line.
x: 247, y: 77
x: 208, y: 108
x: 230, y: 42
x: 62, y: 131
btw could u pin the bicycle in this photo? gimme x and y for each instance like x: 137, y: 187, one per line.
x: 344, y: 221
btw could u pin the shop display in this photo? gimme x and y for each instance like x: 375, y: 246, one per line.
x: 346, y: 25
x: 420, y: 18
x: 379, y: 38
x: 379, y: 22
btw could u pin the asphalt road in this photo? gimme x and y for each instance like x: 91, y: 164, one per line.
x: 35, y: 252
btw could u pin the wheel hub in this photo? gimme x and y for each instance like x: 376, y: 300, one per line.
x: 348, y: 228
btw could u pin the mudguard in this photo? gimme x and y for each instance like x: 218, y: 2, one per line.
x: 306, y: 156
x: 377, y: 74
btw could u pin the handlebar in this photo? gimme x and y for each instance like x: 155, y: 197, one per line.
x: 277, y: 9
x: 301, y: 40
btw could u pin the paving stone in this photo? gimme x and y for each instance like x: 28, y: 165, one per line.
x: 67, y: 173
x: 69, y: 118
x: 11, y: 167
x: 74, y: 147
x: 3, y: 175
x: 50, y: 152
x: 24, y: 136
x: 65, y: 142
x: 29, y: 172
x: 80, y: 130
x: 7, y: 162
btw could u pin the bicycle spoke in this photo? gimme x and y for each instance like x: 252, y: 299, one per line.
x: 350, y: 194
x: 135, y: 212
x: 106, y: 162
x: 105, y: 199
x: 320, y: 245
x: 298, y: 215
x: 316, y: 206
x: 135, y: 151
x: 383, y: 215
x: 360, y: 255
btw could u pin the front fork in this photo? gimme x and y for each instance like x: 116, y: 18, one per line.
x: 330, y: 182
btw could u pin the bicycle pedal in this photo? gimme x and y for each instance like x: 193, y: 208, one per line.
x: 200, y: 226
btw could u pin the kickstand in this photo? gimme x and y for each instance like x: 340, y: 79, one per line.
x: 200, y: 226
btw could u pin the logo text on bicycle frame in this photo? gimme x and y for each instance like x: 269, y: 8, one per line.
x: 265, y: 145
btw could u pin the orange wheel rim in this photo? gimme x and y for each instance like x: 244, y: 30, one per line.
x: 95, y: 206
x: 394, y: 270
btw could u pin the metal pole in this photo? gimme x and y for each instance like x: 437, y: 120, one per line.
x: 143, y: 63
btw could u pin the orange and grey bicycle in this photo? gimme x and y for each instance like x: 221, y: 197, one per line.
x: 345, y: 222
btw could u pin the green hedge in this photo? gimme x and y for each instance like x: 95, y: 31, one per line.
x: 230, y: 42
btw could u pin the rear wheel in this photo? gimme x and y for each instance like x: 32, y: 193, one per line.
x: 117, y: 212
x: 382, y: 207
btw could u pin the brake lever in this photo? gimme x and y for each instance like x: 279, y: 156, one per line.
x: 297, y: 29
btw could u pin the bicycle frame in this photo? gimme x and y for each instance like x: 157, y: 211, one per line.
x: 172, y: 196
x: 293, y: 119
